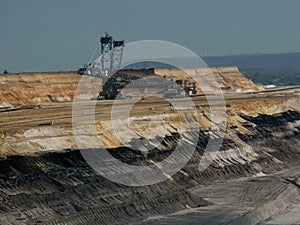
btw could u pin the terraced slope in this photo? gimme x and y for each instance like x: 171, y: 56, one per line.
x: 254, y: 178
x: 60, y: 187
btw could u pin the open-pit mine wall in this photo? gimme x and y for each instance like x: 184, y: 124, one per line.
x: 45, y: 180
x: 37, y: 88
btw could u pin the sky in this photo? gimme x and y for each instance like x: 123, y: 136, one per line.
x: 58, y: 35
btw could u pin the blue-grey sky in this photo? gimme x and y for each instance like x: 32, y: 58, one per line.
x: 40, y: 35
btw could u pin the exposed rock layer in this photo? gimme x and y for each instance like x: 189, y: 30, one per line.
x: 45, y: 180
x: 55, y: 188
x: 36, y: 88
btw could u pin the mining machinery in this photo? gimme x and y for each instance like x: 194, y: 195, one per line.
x: 107, y: 61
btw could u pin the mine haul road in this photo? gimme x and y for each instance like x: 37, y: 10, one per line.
x: 61, y: 114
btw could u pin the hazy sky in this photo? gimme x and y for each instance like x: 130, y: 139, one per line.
x: 40, y: 35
